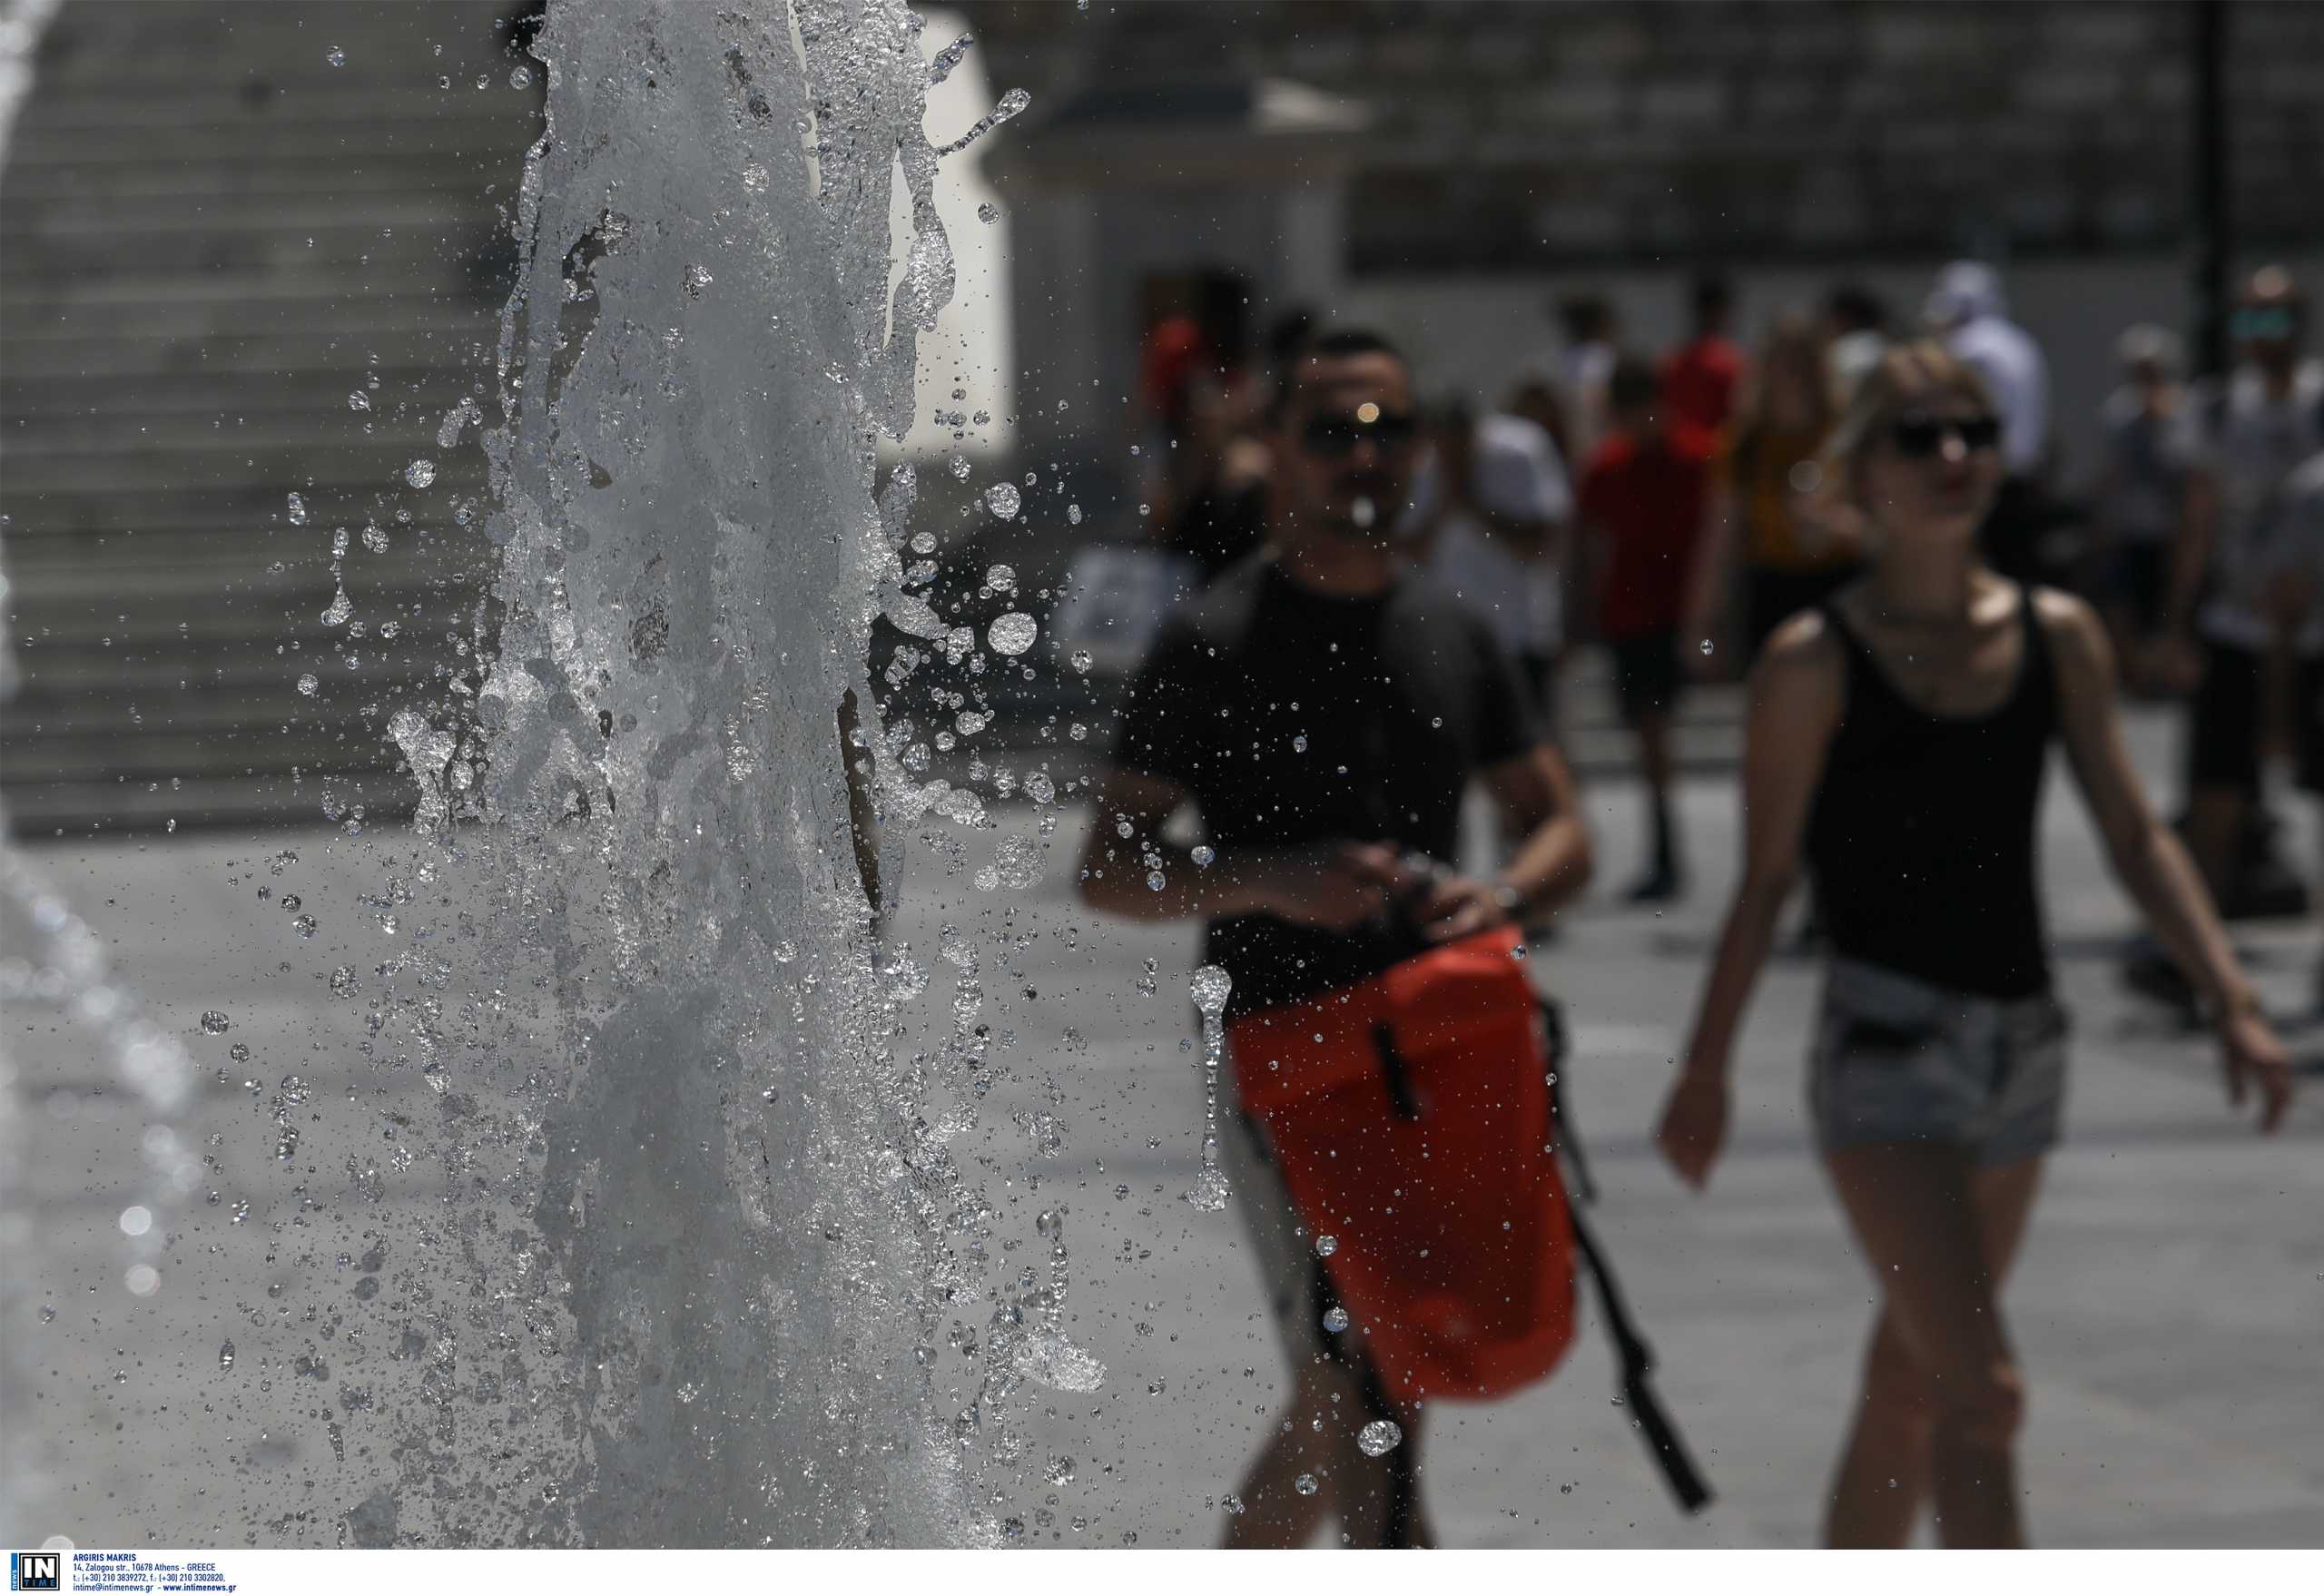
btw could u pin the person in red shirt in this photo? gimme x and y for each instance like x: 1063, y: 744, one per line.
x: 1641, y: 509
x: 1703, y: 375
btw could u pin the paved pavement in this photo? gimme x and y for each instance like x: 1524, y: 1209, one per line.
x: 2170, y: 1306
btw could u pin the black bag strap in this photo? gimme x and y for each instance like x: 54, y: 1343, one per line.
x: 1663, y: 1441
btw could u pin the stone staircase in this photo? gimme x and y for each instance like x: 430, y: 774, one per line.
x: 211, y: 239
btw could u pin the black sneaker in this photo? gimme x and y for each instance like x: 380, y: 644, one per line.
x: 1661, y: 886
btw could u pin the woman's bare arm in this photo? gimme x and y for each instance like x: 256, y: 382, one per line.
x: 2150, y: 860
x: 1798, y: 690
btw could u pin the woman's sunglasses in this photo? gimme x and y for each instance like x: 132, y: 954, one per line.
x: 1918, y: 437
x: 1334, y: 438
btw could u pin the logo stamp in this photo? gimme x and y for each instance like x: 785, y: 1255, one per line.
x: 36, y: 1571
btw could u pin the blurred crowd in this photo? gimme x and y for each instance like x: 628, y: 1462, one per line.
x: 1672, y: 508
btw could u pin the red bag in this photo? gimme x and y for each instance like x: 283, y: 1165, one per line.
x: 1411, y: 1118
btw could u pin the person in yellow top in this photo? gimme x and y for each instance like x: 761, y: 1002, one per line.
x: 1795, y: 544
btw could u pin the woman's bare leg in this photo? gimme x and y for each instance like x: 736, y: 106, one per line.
x: 1942, y: 1395
x: 1349, y: 1484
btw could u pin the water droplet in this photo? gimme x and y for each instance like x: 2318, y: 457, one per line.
x: 697, y: 278
x: 1059, y: 1471
x: 1155, y: 881
x: 521, y: 77
x: 239, y: 1052
x: 1002, y: 499
x: 1379, y: 1438
x: 335, y: 55
x: 343, y: 983
x: 1706, y: 646
x: 358, y: 400
x: 341, y: 608
x: 1211, y: 985
x: 225, y: 1354
x: 308, y: 684
x: 136, y: 1220
x: 1073, y: 514
x: 988, y: 212
x: 1335, y: 1318
x: 1306, y: 1485
x: 1002, y: 578
x: 215, y: 1022
x: 754, y: 177
x: 785, y: 951
x: 1326, y: 1245
x: 1204, y: 853
x: 298, y: 511
x: 1299, y: 744
x: 420, y: 473
x: 1012, y: 633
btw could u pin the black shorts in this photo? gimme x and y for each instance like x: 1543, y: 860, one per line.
x: 2136, y: 576
x: 1647, y: 677
x: 2223, y: 721
x: 2308, y: 741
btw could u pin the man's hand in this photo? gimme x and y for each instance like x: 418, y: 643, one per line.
x: 1694, y: 1126
x: 1336, y: 887
x: 1449, y: 907
x: 2253, y: 1058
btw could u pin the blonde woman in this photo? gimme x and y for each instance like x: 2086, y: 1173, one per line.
x: 1897, y: 737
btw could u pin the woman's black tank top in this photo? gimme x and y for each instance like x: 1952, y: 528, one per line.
x: 1922, y: 838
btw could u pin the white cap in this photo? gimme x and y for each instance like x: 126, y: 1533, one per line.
x: 1964, y: 290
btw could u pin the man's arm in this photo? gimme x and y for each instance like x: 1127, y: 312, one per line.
x: 1334, y: 887
x: 1552, y: 864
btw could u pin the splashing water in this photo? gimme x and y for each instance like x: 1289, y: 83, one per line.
x: 1211, y: 985
x: 687, y: 1232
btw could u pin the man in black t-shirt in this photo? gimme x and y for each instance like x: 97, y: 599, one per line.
x: 1324, y: 711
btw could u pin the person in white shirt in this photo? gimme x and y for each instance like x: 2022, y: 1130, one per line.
x: 1968, y: 311
x: 1488, y: 519
x: 2298, y: 595
x: 2241, y: 535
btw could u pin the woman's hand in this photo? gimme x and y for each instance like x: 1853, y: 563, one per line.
x: 1694, y: 1124
x: 2254, y: 1059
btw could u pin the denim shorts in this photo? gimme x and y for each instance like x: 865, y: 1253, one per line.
x: 1899, y: 1059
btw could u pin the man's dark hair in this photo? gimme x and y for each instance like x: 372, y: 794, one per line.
x: 1858, y: 308
x: 1713, y: 299
x: 1587, y: 317
x: 1631, y: 385
x: 1334, y: 343
x: 1289, y: 335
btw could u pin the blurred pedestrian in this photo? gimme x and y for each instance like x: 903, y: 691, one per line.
x: 2153, y: 440
x: 1323, y: 711
x: 1795, y: 545
x: 1643, y: 502
x: 1583, y: 367
x: 2298, y: 596
x: 1204, y: 469
x: 1858, y: 325
x: 1899, y: 736
x: 1967, y: 310
x: 1490, y: 514
x: 2267, y: 421
x: 1702, y: 377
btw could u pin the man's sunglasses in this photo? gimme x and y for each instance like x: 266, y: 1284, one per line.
x: 1334, y: 438
x: 1918, y: 437
x: 2262, y: 323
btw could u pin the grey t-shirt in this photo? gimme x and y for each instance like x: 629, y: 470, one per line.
x: 2257, y: 444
